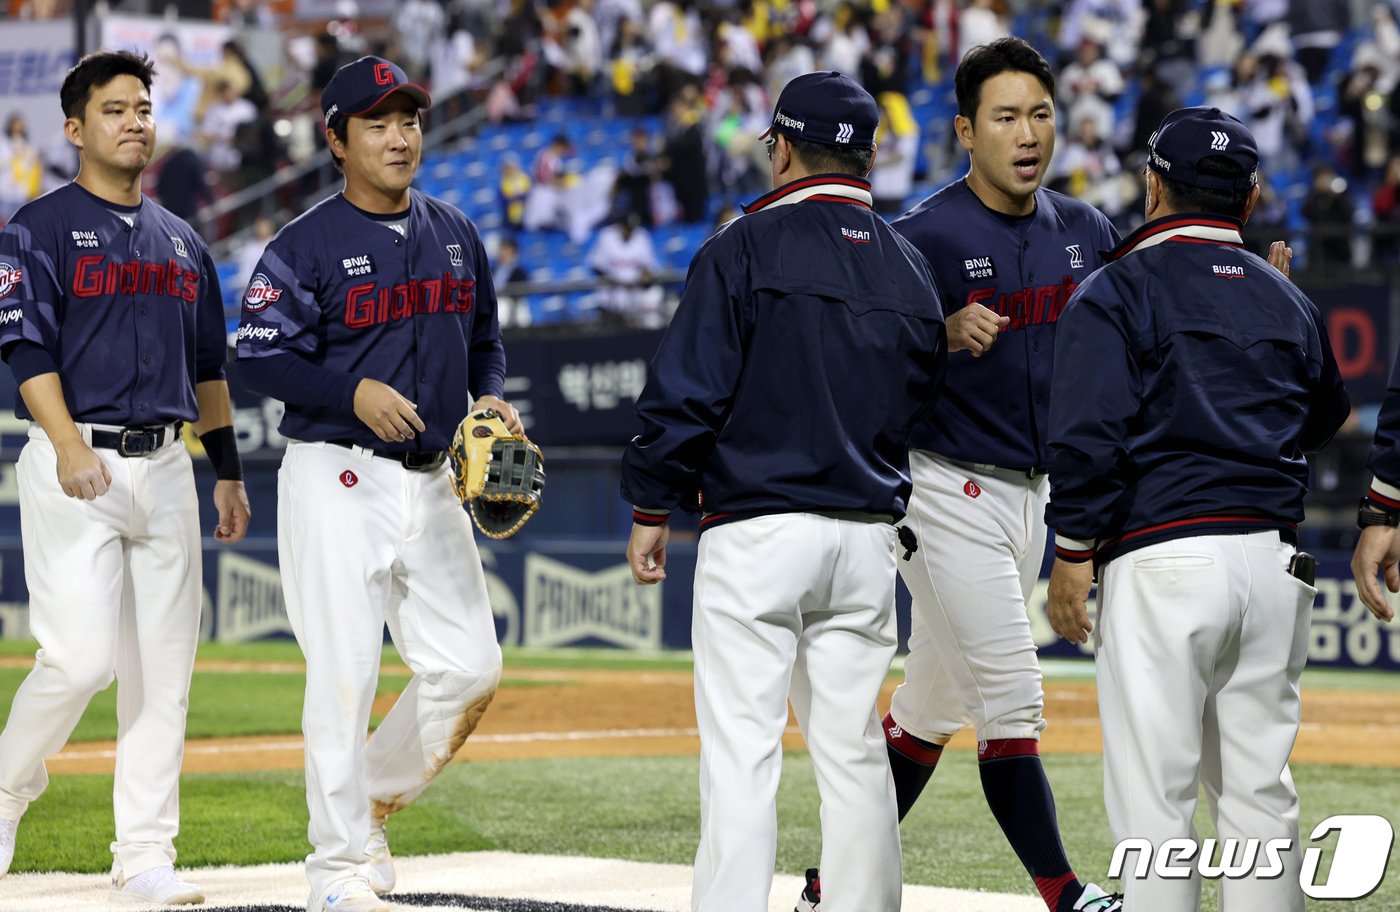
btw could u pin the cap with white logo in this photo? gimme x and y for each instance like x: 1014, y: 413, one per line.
x: 826, y: 108
x: 1188, y: 136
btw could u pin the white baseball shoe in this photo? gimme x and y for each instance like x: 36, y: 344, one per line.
x: 353, y: 895
x: 159, y: 886
x: 378, y: 864
x: 1093, y: 899
x: 7, y: 844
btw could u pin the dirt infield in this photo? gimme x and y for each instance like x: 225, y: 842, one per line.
x: 566, y: 713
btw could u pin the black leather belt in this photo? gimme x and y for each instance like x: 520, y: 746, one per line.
x: 414, y: 462
x: 132, y: 441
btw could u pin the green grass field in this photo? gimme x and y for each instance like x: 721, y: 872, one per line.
x: 642, y: 809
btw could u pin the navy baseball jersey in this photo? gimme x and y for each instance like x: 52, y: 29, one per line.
x: 347, y: 292
x: 995, y: 409
x: 122, y: 301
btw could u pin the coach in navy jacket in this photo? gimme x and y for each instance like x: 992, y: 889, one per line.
x: 1191, y: 380
x: 808, y: 341
x: 761, y: 400
x: 1196, y: 379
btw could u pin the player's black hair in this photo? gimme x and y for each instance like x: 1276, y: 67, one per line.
x: 1005, y: 55
x: 96, y: 70
x: 820, y: 158
x: 1186, y: 198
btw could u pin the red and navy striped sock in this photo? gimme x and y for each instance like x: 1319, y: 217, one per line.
x: 1020, y: 798
x: 912, y: 761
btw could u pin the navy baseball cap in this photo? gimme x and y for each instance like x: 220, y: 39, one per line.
x: 1188, y: 135
x: 826, y: 108
x: 359, y: 87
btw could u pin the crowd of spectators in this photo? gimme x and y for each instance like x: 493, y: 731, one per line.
x: 1318, y: 81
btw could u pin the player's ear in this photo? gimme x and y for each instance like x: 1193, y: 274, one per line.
x: 874, y: 153
x: 963, y: 127
x: 73, y: 129
x: 333, y: 141
x: 1250, y: 203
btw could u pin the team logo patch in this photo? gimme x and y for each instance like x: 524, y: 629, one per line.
x: 1219, y: 141
x: 179, y: 246
x: 454, y: 253
x: 979, y: 268
x: 10, y: 277
x: 85, y: 239
x: 349, y: 478
x: 260, y: 293
x: 844, y: 131
x: 1223, y: 272
x: 856, y: 235
x: 1076, y: 256
x: 358, y: 265
x: 971, y: 489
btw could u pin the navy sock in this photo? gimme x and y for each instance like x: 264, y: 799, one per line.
x: 912, y: 761
x: 1019, y: 795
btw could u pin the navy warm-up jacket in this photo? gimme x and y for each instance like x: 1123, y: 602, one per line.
x: 808, y: 340
x: 1191, y: 378
x: 1384, y: 462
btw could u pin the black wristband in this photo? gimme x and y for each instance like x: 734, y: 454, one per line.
x: 221, y: 446
x: 1368, y: 514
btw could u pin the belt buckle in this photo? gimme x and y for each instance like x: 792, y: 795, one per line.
x: 137, y: 442
x: 419, y: 461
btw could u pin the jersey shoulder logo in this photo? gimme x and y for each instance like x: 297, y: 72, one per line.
x: 454, y: 253
x: 260, y: 293
x: 981, y: 267
x: 856, y: 235
x: 250, y: 333
x: 1228, y: 272
x: 10, y: 278
x: 85, y: 239
x: 358, y: 265
x: 180, y: 249
x: 1076, y: 256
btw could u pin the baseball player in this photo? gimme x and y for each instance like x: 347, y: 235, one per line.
x: 1180, y: 479
x: 112, y: 323
x: 373, y: 317
x: 823, y: 339
x: 1006, y: 254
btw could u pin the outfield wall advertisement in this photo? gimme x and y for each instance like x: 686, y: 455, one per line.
x: 547, y: 595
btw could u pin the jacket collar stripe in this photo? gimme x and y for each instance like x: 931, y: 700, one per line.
x: 843, y: 188
x: 1201, y: 229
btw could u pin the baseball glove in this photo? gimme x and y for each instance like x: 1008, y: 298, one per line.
x: 499, y: 476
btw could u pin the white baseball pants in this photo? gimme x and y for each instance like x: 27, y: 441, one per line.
x: 114, y: 588
x: 1199, y: 646
x: 803, y: 604
x: 972, y: 659
x: 363, y: 541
